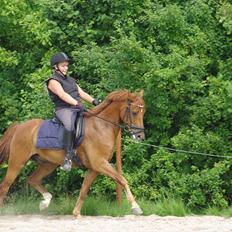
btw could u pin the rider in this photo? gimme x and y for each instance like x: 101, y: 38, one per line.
x: 66, y: 96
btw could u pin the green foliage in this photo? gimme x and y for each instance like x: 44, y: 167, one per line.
x: 179, y: 52
x: 225, y: 16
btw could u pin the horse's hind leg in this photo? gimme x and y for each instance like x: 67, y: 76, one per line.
x: 108, y: 170
x: 43, y: 170
x: 14, y: 167
x: 90, y: 176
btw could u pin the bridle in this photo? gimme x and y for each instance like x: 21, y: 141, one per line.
x: 127, y: 119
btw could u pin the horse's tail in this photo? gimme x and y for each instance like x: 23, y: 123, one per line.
x: 5, y: 142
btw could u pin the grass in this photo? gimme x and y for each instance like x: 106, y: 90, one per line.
x: 165, y: 207
x: 64, y: 206
x: 227, y: 212
x: 101, y: 206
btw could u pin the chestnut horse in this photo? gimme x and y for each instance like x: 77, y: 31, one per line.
x: 17, y: 146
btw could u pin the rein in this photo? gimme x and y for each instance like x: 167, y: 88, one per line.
x: 113, y: 123
x: 132, y: 129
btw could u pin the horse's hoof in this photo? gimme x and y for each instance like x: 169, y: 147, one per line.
x: 137, y: 211
x: 43, y: 206
x: 76, y: 214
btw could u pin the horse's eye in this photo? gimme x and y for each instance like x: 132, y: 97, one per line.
x: 134, y: 113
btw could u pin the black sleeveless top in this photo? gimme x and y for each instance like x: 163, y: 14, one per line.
x: 69, y: 85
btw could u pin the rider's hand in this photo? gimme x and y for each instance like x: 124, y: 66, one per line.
x: 95, y: 102
x: 80, y: 107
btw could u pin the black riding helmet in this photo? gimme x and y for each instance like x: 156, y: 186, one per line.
x: 58, y: 58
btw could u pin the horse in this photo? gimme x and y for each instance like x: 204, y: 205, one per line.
x: 102, y: 125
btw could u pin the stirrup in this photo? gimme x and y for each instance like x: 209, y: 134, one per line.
x: 67, y: 165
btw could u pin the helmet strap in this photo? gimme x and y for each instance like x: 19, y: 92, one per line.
x: 57, y: 69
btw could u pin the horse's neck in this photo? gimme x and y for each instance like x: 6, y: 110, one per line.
x: 112, y: 113
x: 105, y: 125
x: 110, y: 118
x: 107, y: 121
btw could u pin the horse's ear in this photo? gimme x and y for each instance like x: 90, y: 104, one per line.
x: 140, y: 93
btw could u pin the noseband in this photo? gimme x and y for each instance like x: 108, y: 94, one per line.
x: 133, y: 130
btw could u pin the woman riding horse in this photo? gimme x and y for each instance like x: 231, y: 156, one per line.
x: 102, y: 125
x: 66, y: 96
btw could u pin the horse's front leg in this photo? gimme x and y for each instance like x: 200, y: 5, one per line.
x: 90, y: 176
x: 107, y: 169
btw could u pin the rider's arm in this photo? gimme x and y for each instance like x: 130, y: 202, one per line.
x: 85, y: 96
x: 57, y: 89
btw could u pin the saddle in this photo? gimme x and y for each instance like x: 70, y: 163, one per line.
x: 50, y: 135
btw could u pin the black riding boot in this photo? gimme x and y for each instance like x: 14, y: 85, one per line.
x: 68, y: 150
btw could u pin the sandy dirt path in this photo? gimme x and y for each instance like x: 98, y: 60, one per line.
x: 34, y: 223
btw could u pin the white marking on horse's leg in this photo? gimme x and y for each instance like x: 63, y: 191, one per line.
x: 46, y: 201
x: 134, y: 205
x: 135, y: 208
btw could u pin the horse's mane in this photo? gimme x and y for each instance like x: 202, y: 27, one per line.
x: 115, y: 96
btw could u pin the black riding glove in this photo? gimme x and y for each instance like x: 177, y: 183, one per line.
x: 80, y: 107
x: 95, y: 102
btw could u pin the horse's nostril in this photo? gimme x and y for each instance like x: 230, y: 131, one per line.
x: 142, y: 137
